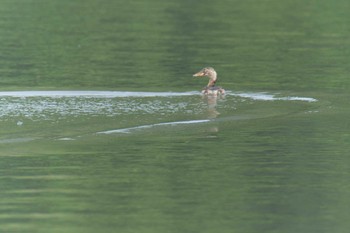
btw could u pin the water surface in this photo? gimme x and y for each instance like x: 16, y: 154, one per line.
x: 103, y: 127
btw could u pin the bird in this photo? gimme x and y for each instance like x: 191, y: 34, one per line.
x: 210, y: 89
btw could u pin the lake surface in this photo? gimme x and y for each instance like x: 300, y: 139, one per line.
x: 104, y: 129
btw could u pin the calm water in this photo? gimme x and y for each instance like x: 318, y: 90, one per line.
x: 104, y: 129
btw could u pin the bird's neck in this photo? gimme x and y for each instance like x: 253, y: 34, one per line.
x: 212, y: 80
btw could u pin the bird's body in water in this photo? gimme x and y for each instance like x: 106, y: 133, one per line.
x: 210, y: 89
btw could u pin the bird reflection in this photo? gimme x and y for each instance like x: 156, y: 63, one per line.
x: 211, y: 101
x: 212, y: 113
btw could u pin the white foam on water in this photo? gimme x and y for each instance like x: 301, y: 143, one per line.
x: 115, y: 94
x: 92, y: 94
x: 271, y: 97
x: 53, y: 105
x: 127, y: 130
x: 66, y: 139
x: 57, y: 104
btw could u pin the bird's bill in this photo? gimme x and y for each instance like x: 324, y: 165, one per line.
x: 199, y: 74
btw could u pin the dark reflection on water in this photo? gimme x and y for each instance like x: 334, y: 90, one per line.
x: 156, y: 156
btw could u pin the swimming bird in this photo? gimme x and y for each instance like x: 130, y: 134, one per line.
x: 210, y: 89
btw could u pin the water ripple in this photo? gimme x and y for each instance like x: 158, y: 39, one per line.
x: 128, y: 130
x: 57, y: 104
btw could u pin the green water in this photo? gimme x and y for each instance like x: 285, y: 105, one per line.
x: 142, y: 150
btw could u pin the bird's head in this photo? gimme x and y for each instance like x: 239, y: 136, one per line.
x: 206, y: 72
